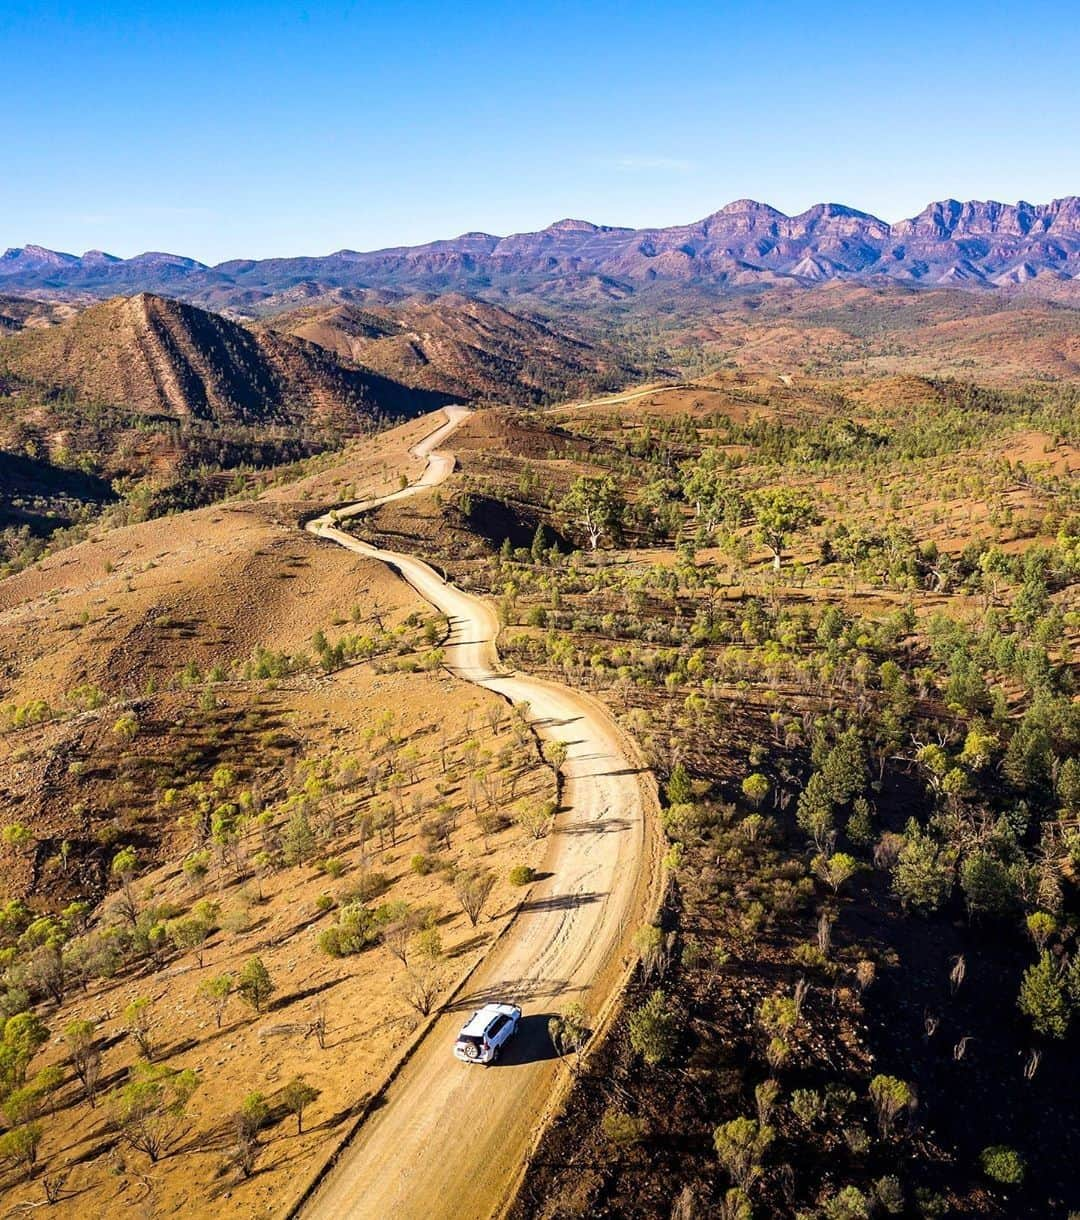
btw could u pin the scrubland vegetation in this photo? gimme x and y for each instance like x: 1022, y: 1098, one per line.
x: 847, y: 646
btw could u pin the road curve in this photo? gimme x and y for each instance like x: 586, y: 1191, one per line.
x: 449, y: 1139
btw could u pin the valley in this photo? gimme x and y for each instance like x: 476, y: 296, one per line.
x: 701, y: 680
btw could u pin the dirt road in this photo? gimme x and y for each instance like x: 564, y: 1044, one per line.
x: 450, y: 1138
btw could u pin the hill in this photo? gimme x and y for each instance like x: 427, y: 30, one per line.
x: 461, y: 346
x: 977, y: 244
x: 165, y: 358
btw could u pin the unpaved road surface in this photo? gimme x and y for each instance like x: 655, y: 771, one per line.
x: 449, y: 1138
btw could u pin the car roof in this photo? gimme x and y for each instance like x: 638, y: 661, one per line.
x: 483, y: 1017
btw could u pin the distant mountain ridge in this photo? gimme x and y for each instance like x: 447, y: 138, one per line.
x: 973, y: 244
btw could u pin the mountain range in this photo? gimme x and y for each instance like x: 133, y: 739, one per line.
x: 971, y: 245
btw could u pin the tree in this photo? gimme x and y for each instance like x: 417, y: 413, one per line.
x: 679, y: 789
x: 1041, y: 926
x: 570, y: 1030
x: 149, y: 1111
x: 596, y: 505
x: 20, y: 1145
x: 473, y: 887
x: 296, y: 1096
x: 814, y: 810
x: 23, y: 1034
x: 891, y: 1097
x: 139, y: 1023
x: 535, y: 820
x: 248, y: 1121
x: 85, y: 1055
x: 849, y: 1203
x: 923, y: 874
x: 191, y: 933
x: 990, y: 886
x: 756, y: 788
x: 216, y: 992
x: 654, y: 1029
x: 779, y: 513
x: 255, y: 985
x: 1043, y: 998
x: 298, y: 844
x: 420, y: 987
x: 124, y: 867
x: 740, y: 1146
x: 835, y: 870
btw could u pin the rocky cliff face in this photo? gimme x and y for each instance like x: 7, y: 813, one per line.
x: 977, y: 244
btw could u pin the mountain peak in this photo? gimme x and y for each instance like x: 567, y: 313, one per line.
x: 573, y: 226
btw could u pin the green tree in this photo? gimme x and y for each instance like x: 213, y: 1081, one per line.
x: 756, y: 788
x: 85, y: 1056
x: 570, y: 1030
x: 20, y: 1145
x: 779, y: 514
x: 22, y: 1035
x: 296, y: 1096
x: 814, y: 809
x: 298, y: 844
x: 835, y: 870
x: 216, y: 993
x: 248, y: 1121
x: 1043, y: 997
x: 149, y: 1111
x: 255, y: 986
x: 891, y: 1097
x: 741, y: 1145
x: 923, y: 873
x: 654, y: 1029
x: 990, y: 886
x: 191, y: 933
x: 139, y: 1023
x: 595, y: 505
x: 679, y: 789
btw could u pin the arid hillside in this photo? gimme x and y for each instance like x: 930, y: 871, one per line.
x: 155, y: 356
x: 462, y: 346
x: 239, y: 789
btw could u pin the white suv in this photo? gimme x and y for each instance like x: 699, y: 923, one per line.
x: 486, y: 1032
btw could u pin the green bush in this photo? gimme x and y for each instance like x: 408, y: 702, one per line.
x: 1002, y: 1164
x: 623, y: 1130
x: 522, y: 874
x: 421, y: 864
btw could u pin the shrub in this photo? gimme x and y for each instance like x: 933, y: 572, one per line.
x: 622, y: 1129
x: 1002, y: 1164
x: 421, y: 864
x: 522, y: 874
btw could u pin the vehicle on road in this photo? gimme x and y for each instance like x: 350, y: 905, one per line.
x: 486, y: 1032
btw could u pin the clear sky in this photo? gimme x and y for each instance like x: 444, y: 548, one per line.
x: 243, y: 129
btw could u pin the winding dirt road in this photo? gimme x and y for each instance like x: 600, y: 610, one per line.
x: 449, y: 1139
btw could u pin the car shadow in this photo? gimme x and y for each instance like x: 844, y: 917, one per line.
x: 531, y: 1043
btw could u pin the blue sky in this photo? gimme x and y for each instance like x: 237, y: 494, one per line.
x: 254, y: 129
